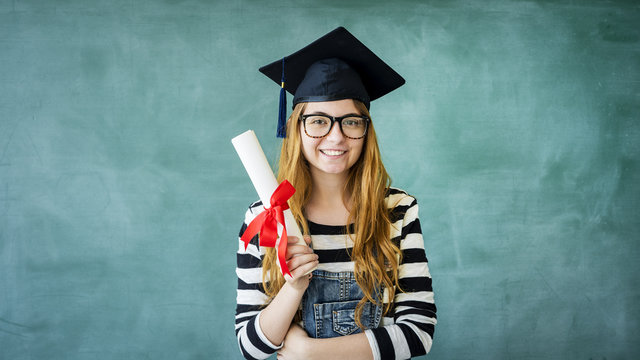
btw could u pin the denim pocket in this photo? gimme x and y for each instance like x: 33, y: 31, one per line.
x: 329, y: 306
x: 344, y: 320
x: 342, y: 316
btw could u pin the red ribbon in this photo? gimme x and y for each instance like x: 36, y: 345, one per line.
x: 266, y: 224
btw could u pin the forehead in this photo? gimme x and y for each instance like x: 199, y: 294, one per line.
x: 333, y: 108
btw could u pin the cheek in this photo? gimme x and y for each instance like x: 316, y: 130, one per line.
x: 305, y: 152
x: 308, y: 148
x: 359, y: 150
x: 303, y: 143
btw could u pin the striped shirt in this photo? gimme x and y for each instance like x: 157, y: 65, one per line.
x: 406, y: 331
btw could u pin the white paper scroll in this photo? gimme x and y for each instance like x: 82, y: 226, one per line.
x: 265, y: 183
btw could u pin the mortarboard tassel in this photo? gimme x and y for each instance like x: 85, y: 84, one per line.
x: 282, y: 115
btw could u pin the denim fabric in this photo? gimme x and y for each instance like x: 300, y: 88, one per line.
x: 329, y: 304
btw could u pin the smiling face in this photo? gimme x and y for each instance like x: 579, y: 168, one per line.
x: 334, y: 153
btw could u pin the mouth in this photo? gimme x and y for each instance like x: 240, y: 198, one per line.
x: 333, y: 152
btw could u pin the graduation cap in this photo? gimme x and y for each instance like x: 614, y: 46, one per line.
x: 337, y: 66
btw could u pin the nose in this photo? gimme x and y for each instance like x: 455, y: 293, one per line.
x: 335, y: 134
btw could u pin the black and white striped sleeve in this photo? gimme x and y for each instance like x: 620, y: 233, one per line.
x: 250, y: 295
x: 408, y: 330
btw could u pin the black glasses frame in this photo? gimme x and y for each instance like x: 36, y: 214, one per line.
x: 333, y: 119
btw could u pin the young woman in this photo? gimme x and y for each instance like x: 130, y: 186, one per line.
x: 370, y: 294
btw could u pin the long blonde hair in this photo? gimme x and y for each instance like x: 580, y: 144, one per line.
x: 375, y: 256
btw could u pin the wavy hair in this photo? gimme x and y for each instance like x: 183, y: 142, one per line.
x: 375, y: 256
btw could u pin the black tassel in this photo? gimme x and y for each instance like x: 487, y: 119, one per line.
x: 282, y: 114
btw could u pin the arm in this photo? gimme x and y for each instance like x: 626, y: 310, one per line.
x: 409, y: 332
x: 298, y: 345
x: 276, y: 318
x: 251, y: 316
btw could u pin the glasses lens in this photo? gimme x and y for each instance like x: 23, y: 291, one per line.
x: 317, y: 125
x: 354, y: 127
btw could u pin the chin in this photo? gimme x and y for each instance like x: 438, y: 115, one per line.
x: 333, y: 170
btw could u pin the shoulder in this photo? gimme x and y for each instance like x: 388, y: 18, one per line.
x: 256, y: 207
x: 253, y: 249
x: 401, y: 205
x: 396, y: 197
x: 254, y: 210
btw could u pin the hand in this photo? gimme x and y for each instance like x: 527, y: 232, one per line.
x: 300, y: 260
x: 295, y: 344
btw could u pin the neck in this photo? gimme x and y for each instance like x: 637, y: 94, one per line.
x: 328, y: 186
x: 326, y: 204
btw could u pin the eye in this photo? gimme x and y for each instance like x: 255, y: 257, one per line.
x: 317, y: 120
x: 353, y: 122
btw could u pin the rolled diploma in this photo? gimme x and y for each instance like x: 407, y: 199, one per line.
x: 265, y: 183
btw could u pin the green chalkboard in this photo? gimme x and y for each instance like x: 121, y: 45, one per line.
x: 121, y: 196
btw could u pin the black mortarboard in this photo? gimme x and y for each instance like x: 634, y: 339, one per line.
x: 336, y: 66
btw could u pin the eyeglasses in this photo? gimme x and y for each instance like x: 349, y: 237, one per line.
x: 319, y: 125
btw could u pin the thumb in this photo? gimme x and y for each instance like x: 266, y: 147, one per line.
x: 292, y: 239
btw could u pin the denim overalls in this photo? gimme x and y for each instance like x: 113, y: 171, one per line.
x: 328, y: 306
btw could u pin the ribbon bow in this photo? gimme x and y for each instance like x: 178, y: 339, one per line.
x: 266, y: 224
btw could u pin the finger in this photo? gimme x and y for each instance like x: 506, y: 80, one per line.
x: 297, y: 261
x: 299, y: 268
x: 301, y: 273
x: 307, y: 269
x: 307, y: 239
x: 292, y: 239
x: 297, y: 250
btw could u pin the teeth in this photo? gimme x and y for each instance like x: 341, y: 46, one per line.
x: 333, y: 152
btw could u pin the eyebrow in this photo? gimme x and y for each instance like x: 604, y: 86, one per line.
x: 325, y: 114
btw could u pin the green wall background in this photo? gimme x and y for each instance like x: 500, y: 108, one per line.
x: 121, y: 196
